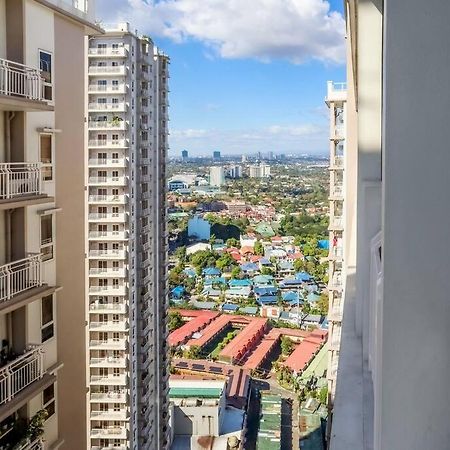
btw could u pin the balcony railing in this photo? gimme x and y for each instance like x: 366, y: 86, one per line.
x: 20, y: 179
x: 337, y: 190
x: 336, y: 222
x: 20, y: 373
x: 106, y: 143
x: 107, y: 253
x: 107, y: 217
x: 97, y: 307
x: 109, y: 51
x: 108, y: 235
x: 107, y: 198
x: 108, y: 106
x: 115, y: 396
x: 105, y: 124
x: 116, y: 70
x: 121, y: 180
x: 19, y: 276
x: 17, y: 80
x: 337, y: 161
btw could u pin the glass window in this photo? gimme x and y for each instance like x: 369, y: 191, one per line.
x: 47, y: 325
x: 46, y: 156
x: 47, y: 237
x: 45, y: 64
x: 48, y: 400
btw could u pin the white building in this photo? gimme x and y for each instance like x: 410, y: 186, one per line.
x: 392, y: 377
x: 259, y: 171
x: 235, y: 172
x: 126, y: 243
x: 216, y: 176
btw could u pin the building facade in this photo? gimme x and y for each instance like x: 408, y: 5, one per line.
x: 216, y: 176
x: 392, y: 377
x: 127, y: 376
x: 336, y: 102
x: 259, y: 171
x: 42, y: 221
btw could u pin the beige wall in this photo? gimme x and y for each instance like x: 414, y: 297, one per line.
x: 69, y: 109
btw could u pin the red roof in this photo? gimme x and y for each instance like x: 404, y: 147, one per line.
x: 262, y: 350
x: 255, y: 258
x: 247, y: 249
x: 208, y: 333
x: 236, y: 256
x: 302, y: 355
x: 196, y: 323
x: 240, y: 344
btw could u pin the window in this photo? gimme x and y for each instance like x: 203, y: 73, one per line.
x: 115, y: 85
x: 48, y: 400
x: 47, y: 328
x: 45, y: 64
x: 47, y: 237
x: 45, y: 141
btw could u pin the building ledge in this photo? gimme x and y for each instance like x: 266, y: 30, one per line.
x: 26, y: 297
x: 25, y: 396
x: 352, y: 419
x: 25, y: 200
x: 17, y: 103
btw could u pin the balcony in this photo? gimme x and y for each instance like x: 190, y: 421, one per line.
x: 21, y: 283
x: 114, y: 254
x: 107, y: 125
x: 109, y: 433
x: 109, y: 415
x: 112, y: 199
x: 336, y: 92
x: 337, y: 163
x: 108, y: 52
x: 21, y: 185
x: 109, y: 361
x: 104, y: 308
x: 21, y: 88
x: 111, y: 380
x: 101, y: 107
x: 107, y: 217
x: 335, y: 313
x: 107, y: 89
x: 108, y: 397
x: 108, y: 180
x: 109, y: 344
x: 21, y: 379
x: 37, y: 444
x: 337, y: 191
x: 119, y: 143
x: 120, y: 290
x: 336, y: 223
x: 107, y: 70
x: 335, y: 282
x: 336, y: 253
x: 111, y: 272
x: 108, y: 235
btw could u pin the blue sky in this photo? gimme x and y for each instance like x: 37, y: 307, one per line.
x: 246, y: 75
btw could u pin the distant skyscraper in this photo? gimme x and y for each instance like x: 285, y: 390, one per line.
x: 270, y: 156
x: 235, y: 172
x: 259, y: 156
x: 259, y: 171
x: 216, y: 176
x: 216, y: 155
x: 184, y: 155
x: 244, y: 158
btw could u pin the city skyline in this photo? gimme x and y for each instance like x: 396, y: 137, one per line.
x: 219, y: 82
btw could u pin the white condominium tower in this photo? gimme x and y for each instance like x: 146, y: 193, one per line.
x: 42, y: 262
x: 336, y: 101
x: 126, y: 242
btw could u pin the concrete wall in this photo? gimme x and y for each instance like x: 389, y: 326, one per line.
x: 416, y: 255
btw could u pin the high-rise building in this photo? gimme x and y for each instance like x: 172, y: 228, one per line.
x: 259, y: 171
x: 392, y: 377
x: 42, y: 321
x: 336, y: 100
x: 235, y: 172
x: 184, y: 155
x: 244, y: 159
x: 216, y: 176
x: 216, y: 155
x: 126, y: 242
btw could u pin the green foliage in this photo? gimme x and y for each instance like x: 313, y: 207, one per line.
x: 175, y: 320
x: 323, y: 395
x: 258, y: 249
x: 287, y: 346
x: 194, y: 352
x: 233, y: 242
x: 303, y: 224
x: 225, y: 261
x: 235, y: 272
x: 322, y: 304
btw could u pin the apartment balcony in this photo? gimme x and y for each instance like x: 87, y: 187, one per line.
x: 339, y: 131
x: 108, y: 199
x: 21, y: 185
x: 22, y: 88
x: 109, y: 415
x: 108, y: 180
x: 108, y: 52
x: 103, y: 107
x: 110, y: 380
x: 100, y: 143
x: 106, y: 254
x: 108, y: 162
x: 21, y: 283
x: 107, y: 217
x: 335, y: 282
x: 112, y: 125
x: 109, y: 344
x: 109, y: 447
x: 336, y: 223
x: 121, y: 325
x: 336, y: 92
x: 109, y: 272
x: 107, y: 70
x: 108, y: 397
x: 107, y: 308
x: 22, y: 379
x: 108, y: 235
x: 37, y: 444
x: 336, y: 253
x: 109, y: 433
x: 109, y: 361
x: 107, y: 89
x: 336, y: 191
x: 337, y: 163
x: 335, y: 312
x: 108, y: 290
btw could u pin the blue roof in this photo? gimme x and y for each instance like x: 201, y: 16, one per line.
x: 262, y: 279
x: 303, y: 276
x: 249, y: 310
x: 265, y: 262
x: 248, y: 267
x: 211, y: 291
x: 324, y: 243
x: 212, y: 272
x: 312, y: 298
x: 285, y: 265
x: 215, y: 280
x: 229, y: 307
x: 240, y: 283
x: 178, y: 291
x: 324, y: 325
x: 266, y: 290
x: 191, y: 273
x: 311, y: 287
x: 267, y: 299
x: 290, y: 282
x: 292, y: 297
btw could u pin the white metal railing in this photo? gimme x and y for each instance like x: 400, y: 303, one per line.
x: 107, y: 143
x: 20, y: 373
x: 120, y: 217
x: 108, y: 234
x: 96, y: 306
x: 336, y: 88
x: 337, y: 222
x: 105, y: 124
x: 338, y: 161
x: 337, y: 190
x: 19, y: 80
x: 107, y: 69
x: 109, y: 395
x: 37, y: 444
x: 111, y: 253
x: 109, y: 179
x: 108, y: 360
x: 107, y: 106
x: 121, y: 88
x: 336, y: 252
x: 121, y: 51
x: 107, y: 198
x: 19, y: 276
x: 18, y: 179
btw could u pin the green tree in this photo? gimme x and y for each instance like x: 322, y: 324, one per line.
x: 180, y: 253
x: 235, y: 272
x: 233, y: 242
x: 225, y: 261
x: 175, y: 320
x: 287, y: 346
x: 258, y: 249
x: 323, y: 395
x: 322, y: 303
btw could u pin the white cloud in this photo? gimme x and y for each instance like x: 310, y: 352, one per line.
x: 293, y: 30
x: 303, y: 138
